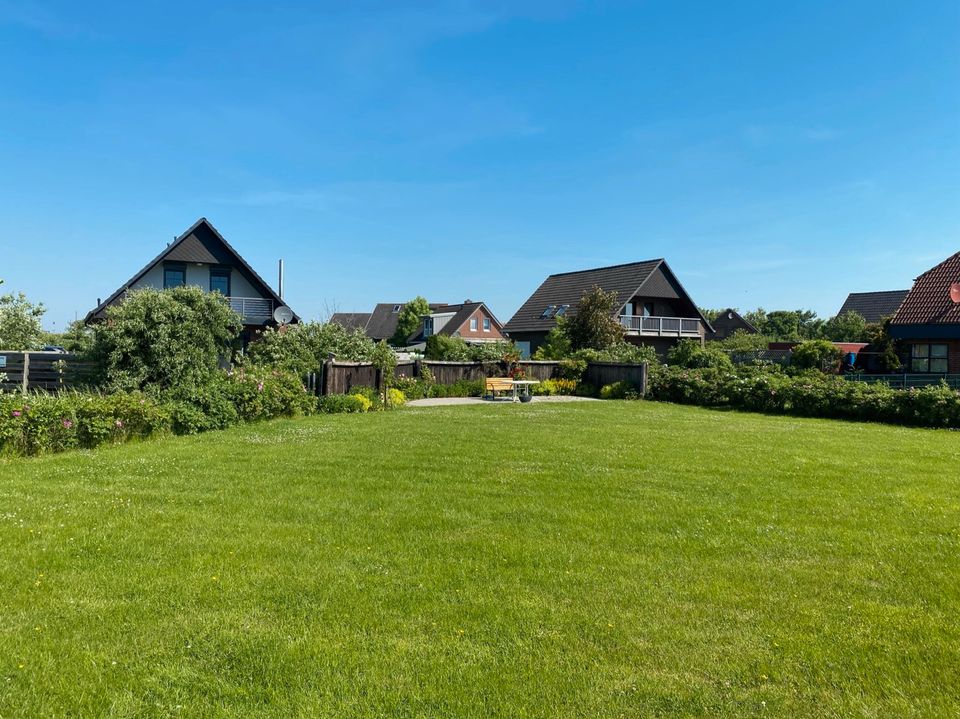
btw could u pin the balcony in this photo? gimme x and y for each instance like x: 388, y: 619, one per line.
x: 253, y: 310
x: 661, y: 326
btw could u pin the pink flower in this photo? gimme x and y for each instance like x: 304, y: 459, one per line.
x: 67, y: 424
x: 260, y: 387
x: 16, y: 413
x: 119, y: 423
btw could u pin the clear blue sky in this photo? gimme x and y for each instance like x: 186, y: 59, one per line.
x: 777, y: 154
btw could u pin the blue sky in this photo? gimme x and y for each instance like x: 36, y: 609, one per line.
x: 777, y: 154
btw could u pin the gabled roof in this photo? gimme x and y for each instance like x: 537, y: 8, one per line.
x: 383, y: 320
x: 351, y: 320
x: 461, y: 313
x: 566, y: 288
x: 729, y: 321
x: 874, y: 306
x: 929, y: 302
x: 189, y: 247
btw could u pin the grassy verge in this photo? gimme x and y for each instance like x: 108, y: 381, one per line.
x: 553, y: 560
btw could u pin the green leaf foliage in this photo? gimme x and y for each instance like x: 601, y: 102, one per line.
x: 164, y: 340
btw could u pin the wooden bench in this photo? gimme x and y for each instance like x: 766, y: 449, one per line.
x: 500, y: 384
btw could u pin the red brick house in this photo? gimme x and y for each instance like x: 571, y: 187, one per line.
x: 471, y: 321
x: 927, y: 324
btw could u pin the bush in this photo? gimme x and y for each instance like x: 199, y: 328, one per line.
x: 304, y: 347
x: 585, y: 389
x: 43, y: 423
x: 554, y: 387
x: 338, y: 403
x: 460, y: 388
x: 807, y: 394
x: 623, y: 352
x: 816, y: 354
x: 264, y: 393
x: 395, y: 398
x: 690, y: 354
x: 444, y: 348
x: 619, y: 390
x: 162, y: 340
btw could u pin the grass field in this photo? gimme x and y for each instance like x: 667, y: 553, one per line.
x: 584, y: 560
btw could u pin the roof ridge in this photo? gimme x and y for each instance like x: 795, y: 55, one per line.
x: 608, y: 267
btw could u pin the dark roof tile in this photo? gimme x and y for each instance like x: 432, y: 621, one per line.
x: 874, y: 306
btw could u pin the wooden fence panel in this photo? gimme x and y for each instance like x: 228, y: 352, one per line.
x: 49, y: 371
x: 539, y: 370
x: 341, y: 377
x: 600, y: 373
x: 450, y: 372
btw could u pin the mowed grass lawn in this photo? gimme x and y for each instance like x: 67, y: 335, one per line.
x: 599, y: 559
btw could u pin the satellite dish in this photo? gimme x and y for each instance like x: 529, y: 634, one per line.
x: 283, y: 315
x: 955, y: 292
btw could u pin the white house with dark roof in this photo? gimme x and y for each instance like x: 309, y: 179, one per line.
x: 201, y: 257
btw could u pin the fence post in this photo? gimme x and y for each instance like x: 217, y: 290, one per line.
x: 325, y: 376
x: 417, y: 367
x: 643, y: 379
x: 25, y: 380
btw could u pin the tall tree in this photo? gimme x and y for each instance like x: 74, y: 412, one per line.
x: 594, y: 324
x: 409, y: 319
x: 848, y: 327
x: 20, y: 327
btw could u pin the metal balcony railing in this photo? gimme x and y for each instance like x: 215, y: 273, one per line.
x: 661, y: 326
x: 252, y: 309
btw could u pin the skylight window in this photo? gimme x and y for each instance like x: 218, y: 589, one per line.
x: 561, y: 310
x: 549, y: 312
x: 396, y: 308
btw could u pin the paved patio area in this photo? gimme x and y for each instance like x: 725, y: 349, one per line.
x: 448, y: 401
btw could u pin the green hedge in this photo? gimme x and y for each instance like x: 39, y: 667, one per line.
x: 807, y: 394
x: 42, y: 423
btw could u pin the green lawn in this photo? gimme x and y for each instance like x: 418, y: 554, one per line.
x: 590, y: 560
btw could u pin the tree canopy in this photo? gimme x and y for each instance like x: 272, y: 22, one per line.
x: 409, y: 319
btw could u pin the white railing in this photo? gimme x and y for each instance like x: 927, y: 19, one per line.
x: 254, y: 309
x: 661, y: 326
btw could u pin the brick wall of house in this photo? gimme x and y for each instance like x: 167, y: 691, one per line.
x: 479, y: 334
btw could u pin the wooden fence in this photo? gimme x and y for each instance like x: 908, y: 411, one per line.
x: 48, y: 371
x: 341, y: 377
x: 600, y: 373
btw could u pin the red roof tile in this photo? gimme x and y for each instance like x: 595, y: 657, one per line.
x: 929, y: 301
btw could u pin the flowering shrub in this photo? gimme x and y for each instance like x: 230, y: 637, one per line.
x: 807, y: 394
x: 264, y: 393
x: 37, y: 423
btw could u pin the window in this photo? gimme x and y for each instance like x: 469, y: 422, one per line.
x: 486, y: 324
x: 427, y: 326
x: 174, y: 276
x: 473, y: 324
x: 628, y: 309
x: 220, y: 281
x: 648, y: 309
x: 929, y: 358
x: 562, y: 310
x: 397, y: 308
x: 548, y: 313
